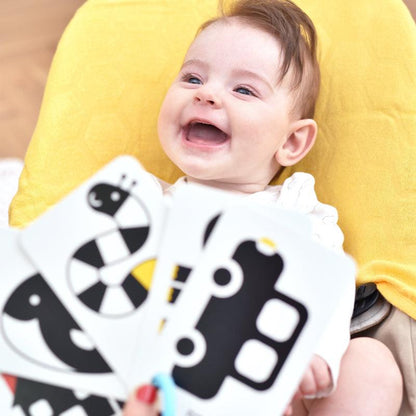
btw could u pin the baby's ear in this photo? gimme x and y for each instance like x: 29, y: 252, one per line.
x: 299, y: 142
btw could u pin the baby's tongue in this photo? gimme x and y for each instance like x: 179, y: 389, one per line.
x: 200, y: 133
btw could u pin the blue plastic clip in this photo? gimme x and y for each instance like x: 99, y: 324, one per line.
x: 165, y: 383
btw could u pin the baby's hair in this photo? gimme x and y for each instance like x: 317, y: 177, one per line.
x: 297, y: 37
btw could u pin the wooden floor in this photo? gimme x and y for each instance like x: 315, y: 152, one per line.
x: 29, y: 32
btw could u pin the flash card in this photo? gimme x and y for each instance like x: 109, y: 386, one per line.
x: 39, y: 339
x: 34, y: 398
x: 96, y: 249
x: 247, y: 323
x: 193, y: 213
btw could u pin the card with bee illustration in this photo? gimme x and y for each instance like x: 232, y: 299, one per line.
x: 96, y: 249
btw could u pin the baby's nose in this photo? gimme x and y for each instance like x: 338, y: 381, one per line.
x: 207, y: 96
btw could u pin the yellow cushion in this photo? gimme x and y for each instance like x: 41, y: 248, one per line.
x: 365, y: 158
x: 117, y: 58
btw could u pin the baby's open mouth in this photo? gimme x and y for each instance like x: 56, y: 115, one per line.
x: 203, y: 133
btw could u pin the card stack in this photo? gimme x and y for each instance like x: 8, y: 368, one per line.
x: 120, y: 282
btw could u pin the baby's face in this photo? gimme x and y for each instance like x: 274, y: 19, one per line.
x: 225, y: 116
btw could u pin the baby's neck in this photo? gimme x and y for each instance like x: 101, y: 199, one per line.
x: 239, y: 188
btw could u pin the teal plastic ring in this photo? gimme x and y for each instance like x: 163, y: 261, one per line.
x: 165, y: 383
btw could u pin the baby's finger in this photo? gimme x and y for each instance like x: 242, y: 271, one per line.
x: 308, y: 386
x: 322, y: 376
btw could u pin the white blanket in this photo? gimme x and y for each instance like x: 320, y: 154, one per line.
x: 10, y: 170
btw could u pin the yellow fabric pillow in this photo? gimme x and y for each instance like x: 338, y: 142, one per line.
x: 117, y: 58
x: 364, y: 161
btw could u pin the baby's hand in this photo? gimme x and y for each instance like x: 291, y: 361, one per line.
x: 315, y: 383
x: 317, y: 380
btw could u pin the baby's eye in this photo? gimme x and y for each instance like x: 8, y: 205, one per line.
x: 194, y: 80
x: 191, y: 79
x: 244, y: 91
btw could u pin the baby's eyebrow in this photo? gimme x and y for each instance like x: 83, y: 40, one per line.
x: 196, y: 62
x: 246, y: 73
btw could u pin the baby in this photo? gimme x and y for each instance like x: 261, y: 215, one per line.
x: 240, y: 110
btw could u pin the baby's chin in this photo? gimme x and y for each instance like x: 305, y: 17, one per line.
x: 196, y: 168
x: 212, y: 178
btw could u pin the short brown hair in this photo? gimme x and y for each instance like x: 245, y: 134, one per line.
x: 297, y: 37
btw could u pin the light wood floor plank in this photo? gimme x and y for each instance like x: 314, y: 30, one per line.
x: 29, y: 33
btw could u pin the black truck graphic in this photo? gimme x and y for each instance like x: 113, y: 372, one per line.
x: 229, y: 322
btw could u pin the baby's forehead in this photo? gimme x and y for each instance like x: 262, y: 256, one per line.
x: 234, y: 34
x: 235, y: 39
x: 233, y: 25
